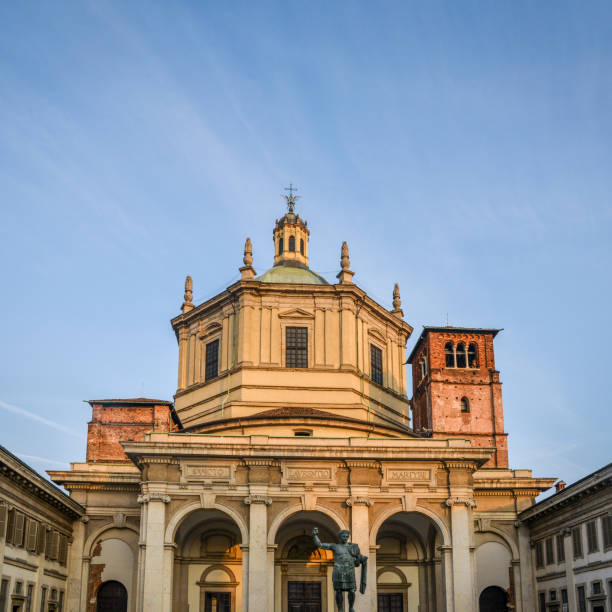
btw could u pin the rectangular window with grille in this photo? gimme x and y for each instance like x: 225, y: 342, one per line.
x: 212, y: 360
x: 581, y: 599
x: 4, y: 587
x: 606, y: 525
x: 560, y: 549
x: 43, y: 599
x: 592, y: 543
x: 296, y: 346
x: 550, y: 556
x: 542, y: 601
x: 539, y: 554
x: 577, y: 541
x: 28, y: 600
x: 376, y: 364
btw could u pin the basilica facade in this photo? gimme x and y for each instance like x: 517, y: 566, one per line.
x: 292, y: 412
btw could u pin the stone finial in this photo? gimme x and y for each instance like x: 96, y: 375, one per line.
x: 188, y: 304
x: 345, y: 276
x: 397, y: 303
x: 247, y: 272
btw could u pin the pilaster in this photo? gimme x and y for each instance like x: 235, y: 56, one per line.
x: 183, y: 337
x: 75, y: 560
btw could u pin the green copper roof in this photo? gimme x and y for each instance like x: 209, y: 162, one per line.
x: 293, y: 274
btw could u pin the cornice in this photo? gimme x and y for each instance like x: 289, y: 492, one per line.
x: 240, y: 288
x: 33, y: 484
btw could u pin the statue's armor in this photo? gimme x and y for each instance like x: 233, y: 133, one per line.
x: 346, y: 556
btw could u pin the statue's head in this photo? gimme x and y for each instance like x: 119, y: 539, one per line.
x: 344, y: 536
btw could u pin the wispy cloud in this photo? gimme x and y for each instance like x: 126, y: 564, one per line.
x: 40, y: 419
x: 42, y: 459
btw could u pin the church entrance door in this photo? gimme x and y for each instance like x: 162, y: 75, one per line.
x: 390, y: 602
x: 304, y: 597
x: 112, y: 597
x: 493, y: 599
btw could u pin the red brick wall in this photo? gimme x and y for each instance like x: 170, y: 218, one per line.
x: 111, y: 424
x: 437, y: 398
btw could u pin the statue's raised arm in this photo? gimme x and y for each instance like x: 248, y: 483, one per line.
x: 318, y: 543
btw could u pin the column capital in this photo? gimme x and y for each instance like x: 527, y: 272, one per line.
x: 460, y: 501
x: 257, y: 499
x: 355, y: 501
x: 149, y: 497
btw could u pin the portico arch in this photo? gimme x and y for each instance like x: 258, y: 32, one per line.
x: 409, y: 549
x: 179, y: 516
x: 204, y: 548
x: 435, y: 518
x: 302, y: 573
x: 291, y: 510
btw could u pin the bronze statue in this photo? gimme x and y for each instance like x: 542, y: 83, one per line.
x: 346, y: 558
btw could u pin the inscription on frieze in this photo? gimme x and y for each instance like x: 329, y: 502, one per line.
x: 308, y: 474
x: 408, y: 475
x: 208, y: 472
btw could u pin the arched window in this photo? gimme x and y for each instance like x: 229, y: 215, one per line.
x: 472, y: 356
x: 449, y: 350
x: 280, y: 246
x: 461, y: 356
x: 302, y: 246
x: 292, y: 243
x: 465, y: 404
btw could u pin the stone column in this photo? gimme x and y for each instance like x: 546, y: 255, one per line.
x: 360, y: 535
x: 463, y: 574
x: 445, y: 603
x: 245, y: 578
x: 168, y: 576
x: 516, y: 572
x: 153, y: 593
x: 271, y: 577
x: 86, y: 560
x: 257, y: 580
x: 75, y: 560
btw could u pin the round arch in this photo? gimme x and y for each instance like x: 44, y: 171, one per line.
x: 223, y: 568
x: 390, y: 569
x: 498, y: 532
x: 291, y: 510
x: 92, y: 540
x: 178, y: 517
x: 421, y: 548
x: 438, y: 522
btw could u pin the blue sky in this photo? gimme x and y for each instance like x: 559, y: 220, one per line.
x: 462, y: 149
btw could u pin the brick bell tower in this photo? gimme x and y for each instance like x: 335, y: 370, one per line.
x: 456, y: 388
